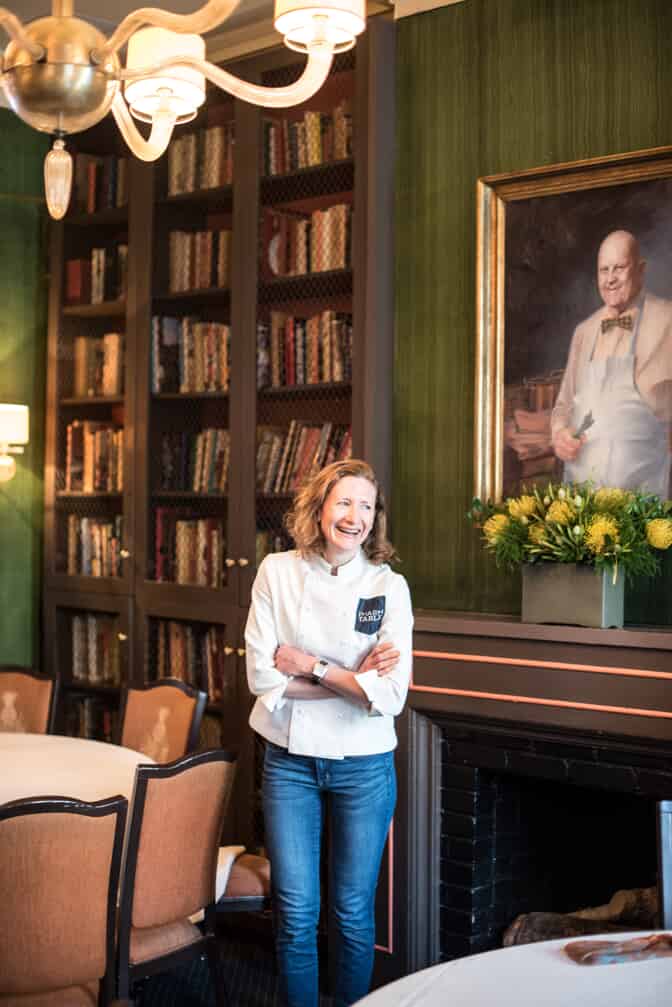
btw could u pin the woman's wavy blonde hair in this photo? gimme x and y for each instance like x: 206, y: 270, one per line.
x: 303, y: 520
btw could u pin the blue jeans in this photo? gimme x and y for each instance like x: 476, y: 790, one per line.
x: 357, y: 796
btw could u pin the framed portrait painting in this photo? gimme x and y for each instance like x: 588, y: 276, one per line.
x: 574, y: 325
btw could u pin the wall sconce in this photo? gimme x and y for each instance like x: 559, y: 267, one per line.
x: 13, y: 434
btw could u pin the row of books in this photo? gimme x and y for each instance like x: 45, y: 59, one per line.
x: 188, y: 550
x: 94, y: 546
x: 199, y: 260
x: 189, y: 355
x: 95, y: 649
x: 197, y: 462
x: 270, y: 540
x: 90, y: 717
x: 299, y: 351
x: 202, y: 159
x: 285, y: 458
x: 194, y: 654
x: 98, y: 365
x: 297, y: 244
x: 94, y: 457
x: 100, y: 183
x: 318, y: 137
x: 102, y: 277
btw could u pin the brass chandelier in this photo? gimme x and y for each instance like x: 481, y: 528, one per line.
x: 62, y: 75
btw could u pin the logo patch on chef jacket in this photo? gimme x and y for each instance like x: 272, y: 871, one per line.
x: 370, y: 612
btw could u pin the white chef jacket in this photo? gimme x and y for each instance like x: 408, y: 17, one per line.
x: 299, y: 602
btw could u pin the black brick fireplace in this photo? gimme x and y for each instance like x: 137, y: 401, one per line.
x: 534, y: 821
x: 530, y: 763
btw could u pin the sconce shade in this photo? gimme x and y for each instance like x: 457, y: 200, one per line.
x: 182, y: 85
x: 13, y: 424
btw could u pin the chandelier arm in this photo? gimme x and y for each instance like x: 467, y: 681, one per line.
x: 17, y: 32
x: 163, y: 122
x: 209, y: 16
x: 311, y: 80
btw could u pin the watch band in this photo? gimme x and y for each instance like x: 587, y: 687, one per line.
x: 320, y: 670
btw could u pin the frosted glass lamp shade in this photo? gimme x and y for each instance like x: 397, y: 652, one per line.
x: 14, y: 424
x: 338, y: 21
x: 57, y: 179
x: 182, y: 86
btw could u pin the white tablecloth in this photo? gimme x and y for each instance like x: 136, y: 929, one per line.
x: 531, y: 975
x: 36, y: 765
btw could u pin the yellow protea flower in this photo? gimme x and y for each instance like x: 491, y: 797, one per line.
x: 495, y: 526
x: 537, y: 533
x: 609, y: 498
x: 560, y: 512
x: 659, y: 532
x: 522, y: 506
x: 599, y: 530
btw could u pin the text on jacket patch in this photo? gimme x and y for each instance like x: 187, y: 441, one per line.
x: 370, y: 612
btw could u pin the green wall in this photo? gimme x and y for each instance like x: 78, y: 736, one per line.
x: 22, y: 369
x: 490, y: 86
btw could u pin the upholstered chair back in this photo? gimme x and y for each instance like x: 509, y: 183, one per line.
x: 25, y: 701
x: 162, y: 720
x: 179, y: 842
x: 171, y: 863
x: 59, y: 878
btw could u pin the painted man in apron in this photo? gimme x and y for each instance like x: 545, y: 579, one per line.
x: 612, y: 419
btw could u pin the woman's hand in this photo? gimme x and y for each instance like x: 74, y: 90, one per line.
x: 383, y: 658
x: 294, y: 662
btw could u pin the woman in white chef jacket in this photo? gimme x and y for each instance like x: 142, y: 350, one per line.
x: 329, y: 657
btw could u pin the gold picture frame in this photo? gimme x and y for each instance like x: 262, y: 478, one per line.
x: 538, y: 195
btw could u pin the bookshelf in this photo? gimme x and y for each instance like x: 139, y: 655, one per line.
x: 248, y: 341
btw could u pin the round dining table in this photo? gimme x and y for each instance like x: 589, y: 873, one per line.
x: 46, y: 765
x: 531, y: 975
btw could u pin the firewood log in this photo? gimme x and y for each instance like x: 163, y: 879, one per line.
x: 635, y: 906
x: 530, y: 927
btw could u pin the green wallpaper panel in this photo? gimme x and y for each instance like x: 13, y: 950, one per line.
x: 489, y: 86
x: 22, y: 367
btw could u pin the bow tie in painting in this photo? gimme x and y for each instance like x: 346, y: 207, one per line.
x: 622, y: 322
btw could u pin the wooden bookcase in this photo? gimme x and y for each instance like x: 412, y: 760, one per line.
x: 285, y: 335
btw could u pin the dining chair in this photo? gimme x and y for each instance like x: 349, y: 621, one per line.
x: 170, y: 867
x: 60, y: 860
x: 27, y: 700
x: 245, y: 885
x: 162, y: 719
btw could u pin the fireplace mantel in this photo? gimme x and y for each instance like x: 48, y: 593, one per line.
x: 593, y: 690
x: 510, y: 627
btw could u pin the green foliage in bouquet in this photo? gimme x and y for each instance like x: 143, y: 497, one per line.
x: 609, y: 529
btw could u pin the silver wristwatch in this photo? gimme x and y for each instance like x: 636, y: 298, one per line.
x: 320, y: 670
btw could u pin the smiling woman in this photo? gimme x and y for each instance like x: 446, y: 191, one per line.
x: 329, y: 658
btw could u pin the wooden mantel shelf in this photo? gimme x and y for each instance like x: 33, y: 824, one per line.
x: 510, y: 627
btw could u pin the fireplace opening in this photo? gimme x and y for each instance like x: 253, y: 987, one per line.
x: 514, y: 843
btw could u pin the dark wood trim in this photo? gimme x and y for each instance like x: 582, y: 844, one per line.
x: 373, y: 265
x: 510, y: 627
x: 419, y: 831
x: 244, y: 278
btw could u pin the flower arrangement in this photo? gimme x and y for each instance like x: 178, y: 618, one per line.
x: 606, y: 528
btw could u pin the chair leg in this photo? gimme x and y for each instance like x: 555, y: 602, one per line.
x: 216, y: 968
